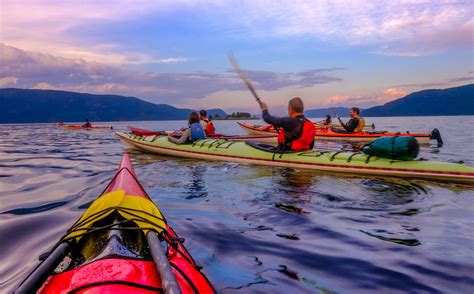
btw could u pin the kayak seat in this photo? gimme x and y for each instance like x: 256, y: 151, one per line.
x: 269, y: 148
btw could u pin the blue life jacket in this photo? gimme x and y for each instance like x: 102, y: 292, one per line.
x: 197, y: 132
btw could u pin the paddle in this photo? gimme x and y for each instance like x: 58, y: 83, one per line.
x: 246, y: 81
x: 243, y: 77
x: 337, y: 116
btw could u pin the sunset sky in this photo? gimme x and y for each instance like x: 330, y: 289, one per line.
x: 330, y: 53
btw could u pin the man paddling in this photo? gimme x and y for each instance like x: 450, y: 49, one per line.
x: 355, y: 124
x: 296, y: 132
x: 87, y: 124
x: 207, y: 123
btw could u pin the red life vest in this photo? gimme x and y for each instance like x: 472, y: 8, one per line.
x: 300, y: 138
x: 210, y: 129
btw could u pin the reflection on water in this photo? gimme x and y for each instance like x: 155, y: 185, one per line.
x: 253, y: 229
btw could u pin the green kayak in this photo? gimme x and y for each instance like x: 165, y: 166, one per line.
x: 333, y: 162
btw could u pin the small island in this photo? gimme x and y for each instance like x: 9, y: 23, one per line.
x: 234, y: 116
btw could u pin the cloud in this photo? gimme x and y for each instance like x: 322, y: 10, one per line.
x: 338, y: 100
x: 366, y: 100
x: 267, y: 80
x: 447, y: 82
x: 51, y: 25
x: 44, y: 86
x: 422, y: 85
x: 395, y: 28
x: 461, y: 79
x: 45, y: 71
x: 8, y: 82
x: 395, y: 92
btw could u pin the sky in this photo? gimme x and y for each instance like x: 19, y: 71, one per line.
x: 330, y: 53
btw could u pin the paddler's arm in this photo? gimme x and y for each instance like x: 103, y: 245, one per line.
x: 279, y: 122
x: 351, y: 125
x: 345, y: 126
x: 186, y: 135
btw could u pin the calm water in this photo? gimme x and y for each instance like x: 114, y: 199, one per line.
x: 254, y: 229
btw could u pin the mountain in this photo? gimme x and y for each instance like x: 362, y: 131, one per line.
x: 34, y: 106
x: 451, y: 101
x: 321, y: 112
x: 212, y: 112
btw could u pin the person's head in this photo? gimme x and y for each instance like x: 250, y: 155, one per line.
x: 295, y: 107
x: 328, y: 116
x: 203, y: 113
x: 87, y: 120
x: 354, y: 112
x: 193, y: 118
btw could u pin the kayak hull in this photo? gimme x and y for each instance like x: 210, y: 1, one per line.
x: 80, y: 127
x: 329, y: 162
x: 326, y: 134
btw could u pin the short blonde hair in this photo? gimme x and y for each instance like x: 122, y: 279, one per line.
x: 296, y: 104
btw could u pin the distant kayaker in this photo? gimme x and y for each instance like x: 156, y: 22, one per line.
x: 296, y: 131
x: 194, y: 132
x: 327, y: 121
x: 87, y: 124
x: 355, y: 124
x: 207, y: 124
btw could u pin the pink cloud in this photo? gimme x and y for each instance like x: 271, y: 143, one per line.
x: 366, y: 100
x: 397, y: 93
x: 8, y: 82
x: 338, y: 100
x: 44, y: 71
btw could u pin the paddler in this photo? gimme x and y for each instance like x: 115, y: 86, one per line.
x: 327, y: 121
x: 87, y: 124
x: 194, y: 132
x: 355, y: 124
x: 296, y: 131
x: 207, y: 124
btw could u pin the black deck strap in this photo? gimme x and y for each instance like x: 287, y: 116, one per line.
x: 156, y: 137
x: 190, y: 282
x: 136, y: 218
x: 116, y: 282
x: 212, y: 143
x: 205, y: 141
x: 368, y: 158
x: 310, y: 153
x: 187, y: 255
x: 334, y: 155
x: 96, y: 215
x: 229, y: 143
x: 352, y: 155
x: 202, y: 141
x: 273, y: 155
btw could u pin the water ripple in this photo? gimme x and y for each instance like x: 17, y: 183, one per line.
x: 253, y: 229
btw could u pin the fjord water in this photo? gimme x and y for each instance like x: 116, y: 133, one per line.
x: 254, y: 229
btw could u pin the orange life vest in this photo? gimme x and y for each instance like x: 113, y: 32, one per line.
x: 300, y: 138
x: 210, y: 129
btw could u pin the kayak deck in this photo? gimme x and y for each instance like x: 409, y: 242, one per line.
x: 265, y: 138
x: 332, y: 162
x: 116, y: 247
x: 327, y: 134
